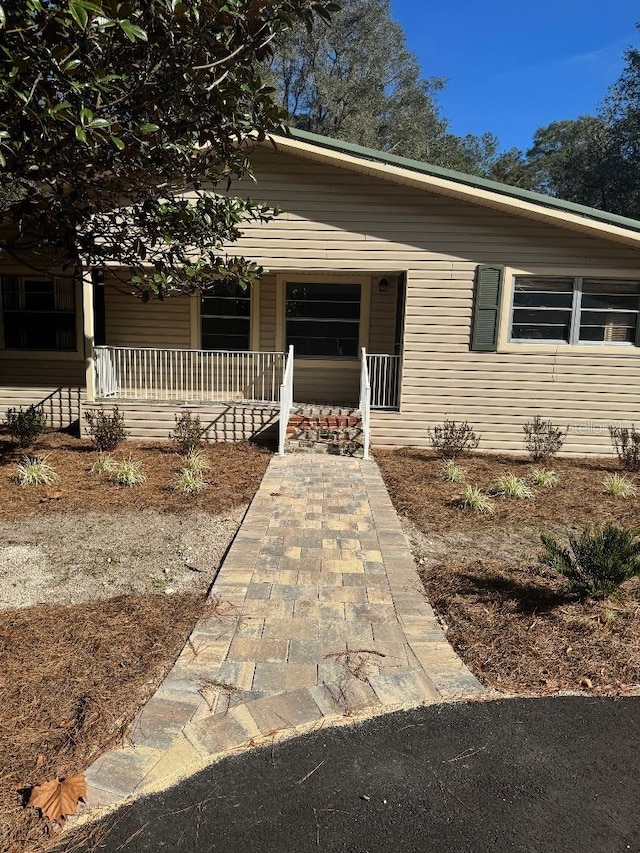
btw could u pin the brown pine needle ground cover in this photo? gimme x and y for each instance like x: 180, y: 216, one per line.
x: 71, y: 681
x: 72, y: 677
x: 507, y: 616
x: 235, y: 472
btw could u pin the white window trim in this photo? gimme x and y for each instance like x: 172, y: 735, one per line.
x: 76, y: 354
x: 325, y: 278
x: 506, y: 344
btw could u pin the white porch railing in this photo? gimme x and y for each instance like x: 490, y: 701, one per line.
x: 384, y: 378
x: 134, y: 373
x: 365, y: 403
x: 286, y: 401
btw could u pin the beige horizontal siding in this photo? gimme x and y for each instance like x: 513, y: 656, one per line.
x: 337, y: 385
x: 337, y: 220
x: 56, y: 385
x: 267, y: 314
x: 133, y: 323
x: 152, y: 421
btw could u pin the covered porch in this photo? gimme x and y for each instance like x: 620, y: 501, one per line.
x: 231, y: 346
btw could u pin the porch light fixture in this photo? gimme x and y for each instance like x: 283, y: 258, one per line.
x: 383, y: 285
x: 97, y: 275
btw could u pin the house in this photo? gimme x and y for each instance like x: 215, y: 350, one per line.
x: 472, y: 301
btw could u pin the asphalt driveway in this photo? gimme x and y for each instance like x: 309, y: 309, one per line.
x: 534, y: 776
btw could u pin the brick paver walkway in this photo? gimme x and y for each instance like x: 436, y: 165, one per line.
x: 318, y: 612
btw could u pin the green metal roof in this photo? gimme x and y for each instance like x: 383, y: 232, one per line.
x: 461, y: 178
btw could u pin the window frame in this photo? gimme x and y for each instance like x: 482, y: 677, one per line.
x: 78, y: 353
x: 197, y: 315
x: 324, y: 277
x: 509, y: 343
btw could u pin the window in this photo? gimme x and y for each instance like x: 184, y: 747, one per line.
x: 323, y: 319
x: 226, y: 319
x: 575, y: 310
x: 38, y: 313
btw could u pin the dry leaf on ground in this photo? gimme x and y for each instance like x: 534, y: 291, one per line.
x: 58, y: 798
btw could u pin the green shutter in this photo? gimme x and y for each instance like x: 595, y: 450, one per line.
x: 486, y: 308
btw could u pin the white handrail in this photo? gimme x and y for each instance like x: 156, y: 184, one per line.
x: 286, y: 401
x: 365, y: 403
x: 146, y: 373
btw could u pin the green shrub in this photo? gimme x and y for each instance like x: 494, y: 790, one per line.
x: 452, y: 472
x: 187, y: 433
x: 626, y: 443
x: 542, y: 439
x: 476, y: 500
x: 619, y: 486
x: 452, y: 439
x: 543, y: 477
x: 107, y: 430
x: 25, y: 425
x: 36, y: 471
x: 597, y: 561
x: 189, y: 481
x: 510, y: 486
x: 128, y: 472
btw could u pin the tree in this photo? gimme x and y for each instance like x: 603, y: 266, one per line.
x: 356, y: 80
x: 118, y: 119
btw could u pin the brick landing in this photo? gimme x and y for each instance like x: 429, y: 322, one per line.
x: 320, y: 614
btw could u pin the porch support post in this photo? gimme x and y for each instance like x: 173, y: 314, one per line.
x: 89, y: 333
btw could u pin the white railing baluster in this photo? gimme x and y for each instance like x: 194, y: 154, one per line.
x: 384, y: 377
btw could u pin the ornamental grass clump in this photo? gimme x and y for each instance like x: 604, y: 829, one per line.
x: 36, y: 471
x: 128, y: 472
x: 619, y: 486
x: 189, y: 482
x: 451, y: 439
x: 545, y: 478
x: 104, y: 464
x: 510, y: 486
x: 476, y: 500
x: 451, y: 472
x: 597, y: 561
x: 196, y: 462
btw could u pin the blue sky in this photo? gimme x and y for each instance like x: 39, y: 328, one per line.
x: 515, y: 66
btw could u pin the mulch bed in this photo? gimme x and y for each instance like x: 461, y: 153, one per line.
x: 71, y: 681
x: 414, y: 480
x: 234, y: 476
x: 511, y: 619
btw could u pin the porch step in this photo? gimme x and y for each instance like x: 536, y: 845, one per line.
x: 325, y: 429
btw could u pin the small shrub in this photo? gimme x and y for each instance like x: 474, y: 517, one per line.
x: 619, y: 486
x: 543, y: 477
x: 510, y: 486
x: 542, y: 439
x: 107, y: 430
x: 451, y: 472
x: 597, y: 561
x: 196, y: 462
x: 452, y: 439
x: 626, y: 443
x: 476, y: 500
x: 36, y: 471
x: 25, y: 425
x: 128, y: 472
x: 104, y: 464
x: 187, y: 433
x: 188, y: 481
